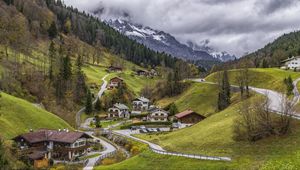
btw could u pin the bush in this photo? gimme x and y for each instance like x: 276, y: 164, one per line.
x: 134, y: 150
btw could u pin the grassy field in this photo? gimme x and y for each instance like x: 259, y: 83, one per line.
x: 148, y: 160
x: 202, y: 98
x: 213, y: 136
x: 270, y: 78
x: 18, y: 116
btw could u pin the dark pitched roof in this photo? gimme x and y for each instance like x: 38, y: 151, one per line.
x: 52, y: 135
x: 36, y: 155
x: 116, y: 79
x: 186, y: 113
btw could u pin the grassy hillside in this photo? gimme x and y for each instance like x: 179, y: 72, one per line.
x: 213, y: 136
x: 151, y: 161
x: 270, y: 78
x: 202, y: 98
x: 18, y: 116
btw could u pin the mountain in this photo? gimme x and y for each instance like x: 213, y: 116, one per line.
x: 270, y: 55
x: 164, y: 42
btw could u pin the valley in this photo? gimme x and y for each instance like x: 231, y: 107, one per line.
x: 79, y: 92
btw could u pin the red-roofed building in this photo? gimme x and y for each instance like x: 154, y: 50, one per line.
x: 189, y: 117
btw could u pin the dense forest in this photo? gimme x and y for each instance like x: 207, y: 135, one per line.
x: 271, y: 55
x: 42, y: 53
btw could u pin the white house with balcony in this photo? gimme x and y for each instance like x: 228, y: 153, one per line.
x: 140, y: 105
x: 158, y: 115
x: 119, y: 110
x: 291, y: 63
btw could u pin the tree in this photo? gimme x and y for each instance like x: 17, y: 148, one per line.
x: 224, y: 92
x: 52, y: 57
x: 243, y: 80
x: 98, y: 106
x: 88, y: 103
x: 80, y: 85
x: 289, y: 85
x: 67, y: 26
x: 4, y: 164
x: 67, y: 68
x: 52, y: 31
x: 173, y: 109
x: 98, y: 122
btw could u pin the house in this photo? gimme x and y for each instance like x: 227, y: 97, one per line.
x: 142, y: 73
x: 158, y: 115
x: 140, y: 105
x: 115, y: 82
x: 119, y: 111
x: 42, y: 145
x: 189, y: 117
x: 291, y: 63
x: 114, y: 69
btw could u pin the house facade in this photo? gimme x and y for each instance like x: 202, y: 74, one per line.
x: 158, y: 115
x: 114, y: 69
x: 115, y: 82
x: 291, y: 63
x: 140, y: 105
x: 42, y: 145
x: 189, y: 117
x: 118, y: 111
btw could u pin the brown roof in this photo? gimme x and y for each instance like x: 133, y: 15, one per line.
x: 36, y: 155
x: 186, y: 113
x: 116, y: 79
x: 52, y: 135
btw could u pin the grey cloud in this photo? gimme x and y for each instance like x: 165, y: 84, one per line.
x: 236, y: 26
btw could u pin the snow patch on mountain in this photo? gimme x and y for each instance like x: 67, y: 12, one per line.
x: 164, y: 42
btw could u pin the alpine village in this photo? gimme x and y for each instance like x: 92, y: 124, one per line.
x: 76, y: 93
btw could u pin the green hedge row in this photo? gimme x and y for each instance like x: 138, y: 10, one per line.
x: 145, y: 123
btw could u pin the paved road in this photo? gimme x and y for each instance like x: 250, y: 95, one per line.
x: 100, y: 93
x: 276, y: 99
x: 158, y: 149
x: 108, y: 148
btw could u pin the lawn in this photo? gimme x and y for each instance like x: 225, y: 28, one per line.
x: 213, y: 137
x: 19, y: 116
x: 202, y: 98
x: 269, y: 78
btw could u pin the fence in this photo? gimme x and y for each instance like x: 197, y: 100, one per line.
x: 202, y: 157
x: 107, y: 155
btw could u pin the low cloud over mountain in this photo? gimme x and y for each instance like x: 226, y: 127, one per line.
x: 235, y: 26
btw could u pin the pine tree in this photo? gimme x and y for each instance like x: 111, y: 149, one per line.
x: 52, y: 31
x: 88, y: 104
x: 52, y: 57
x: 80, y: 85
x: 289, y: 85
x: 98, y: 106
x: 3, y: 160
x: 67, y: 68
x: 173, y: 109
x: 224, y: 94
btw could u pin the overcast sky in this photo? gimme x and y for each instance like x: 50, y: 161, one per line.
x: 235, y: 26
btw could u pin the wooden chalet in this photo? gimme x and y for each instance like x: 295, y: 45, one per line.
x: 42, y: 145
x: 189, y: 117
x: 115, y: 82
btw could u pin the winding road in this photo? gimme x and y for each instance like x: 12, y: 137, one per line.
x: 275, y: 98
x: 100, y: 93
x: 108, y: 148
